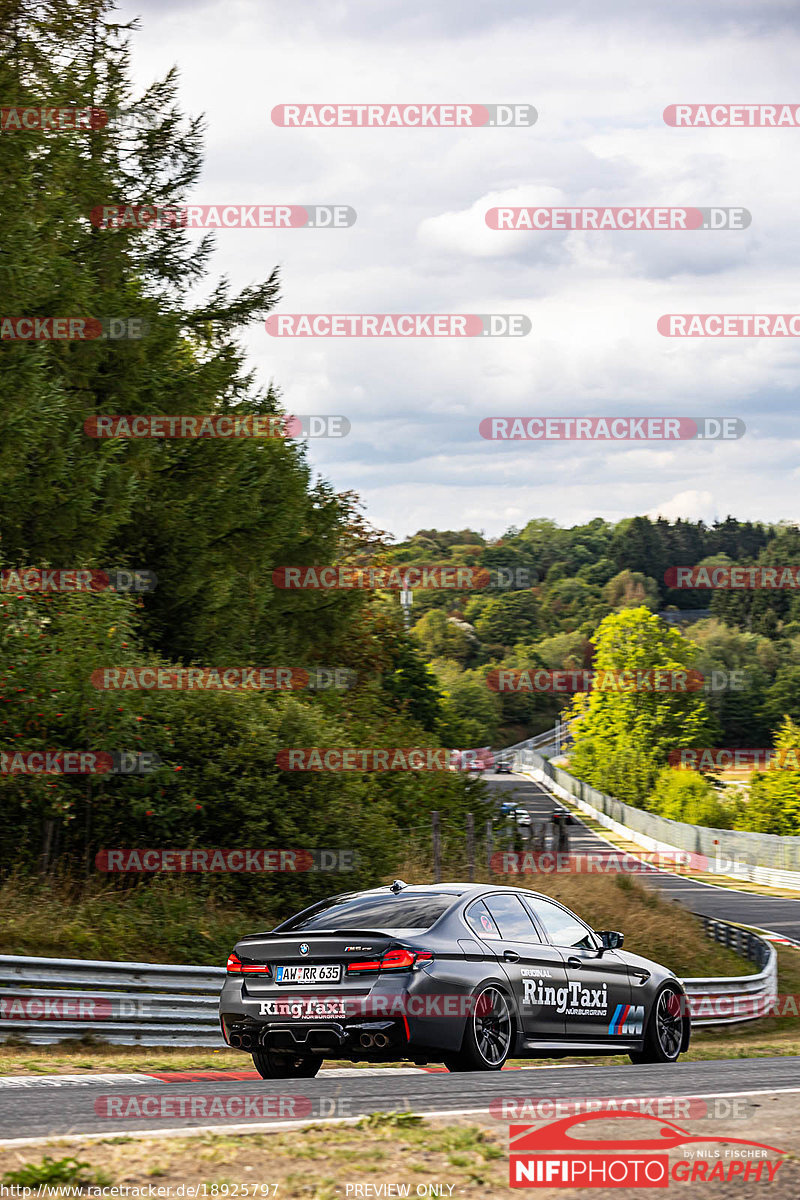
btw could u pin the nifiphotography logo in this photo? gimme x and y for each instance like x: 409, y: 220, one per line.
x: 550, y: 1156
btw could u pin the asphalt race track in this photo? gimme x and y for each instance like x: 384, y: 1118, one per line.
x: 36, y: 1107
x: 726, y: 904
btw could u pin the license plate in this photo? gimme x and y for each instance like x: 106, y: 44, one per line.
x: 309, y: 974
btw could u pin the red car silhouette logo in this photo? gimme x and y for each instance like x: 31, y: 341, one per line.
x: 551, y: 1156
x: 553, y: 1138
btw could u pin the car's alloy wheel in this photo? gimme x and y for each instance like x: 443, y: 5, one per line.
x: 669, y: 1024
x: 492, y: 1024
x: 664, y: 1034
x: 488, y: 1034
x: 286, y: 1066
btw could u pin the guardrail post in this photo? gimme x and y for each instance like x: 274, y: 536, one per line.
x: 437, y: 848
x: 471, y: 847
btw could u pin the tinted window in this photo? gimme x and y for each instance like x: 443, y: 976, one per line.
x: 562, y: 928
x: 512, y: 919
x: 478, y: 919
x: 392, y: 913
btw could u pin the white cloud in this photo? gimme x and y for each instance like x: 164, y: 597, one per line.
x: 600, y: 77
x: 690, y: 506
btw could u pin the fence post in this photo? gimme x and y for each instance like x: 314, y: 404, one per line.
x: 437, y: 866
x: 489, y: 848
x: 471, y: 847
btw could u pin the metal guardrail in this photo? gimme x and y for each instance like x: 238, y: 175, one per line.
x: 727, y: 1000
x: 48, y: 1000
x: 550, y: 737
x: 765, y: 858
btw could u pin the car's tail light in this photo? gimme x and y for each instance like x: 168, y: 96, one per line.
x: 398, y: 959
x: 235, y: 966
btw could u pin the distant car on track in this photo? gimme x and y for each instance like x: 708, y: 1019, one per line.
x: 502, y: 766
x: 471, y: 760
x: 461, y: 973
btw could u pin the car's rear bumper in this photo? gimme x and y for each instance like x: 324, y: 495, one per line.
x: 331, y: 1038
x: 425, y: 1015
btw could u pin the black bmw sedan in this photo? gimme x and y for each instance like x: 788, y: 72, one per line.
x: 460, y: 973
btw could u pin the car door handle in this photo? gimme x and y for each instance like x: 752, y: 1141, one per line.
x: 574, y: 962
x: 510, y: 956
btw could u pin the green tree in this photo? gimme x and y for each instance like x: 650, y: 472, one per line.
x: 508, y: 619
x: 631, y: 589
x: 212, y: 518
x: 774, y: 802
x: 412, y: 684
x: 439, y: 636
x: 470, y: 711
x: 690, y: 797
x: 623, y: 737
x: 782, y: 697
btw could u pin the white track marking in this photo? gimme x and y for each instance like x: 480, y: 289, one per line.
x: 34, y: 1081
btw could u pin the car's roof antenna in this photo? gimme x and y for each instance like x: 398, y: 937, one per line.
x: 398, y: 885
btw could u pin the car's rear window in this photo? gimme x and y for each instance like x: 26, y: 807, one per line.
x: 395, y: 914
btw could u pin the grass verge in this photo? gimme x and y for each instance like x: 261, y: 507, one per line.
x: 162, y: 921
x: 317, y: 1165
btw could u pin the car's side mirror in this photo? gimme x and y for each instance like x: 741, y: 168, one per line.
x: 610, y: 939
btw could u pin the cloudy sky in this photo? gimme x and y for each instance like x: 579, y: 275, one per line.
x: 600, y: 77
